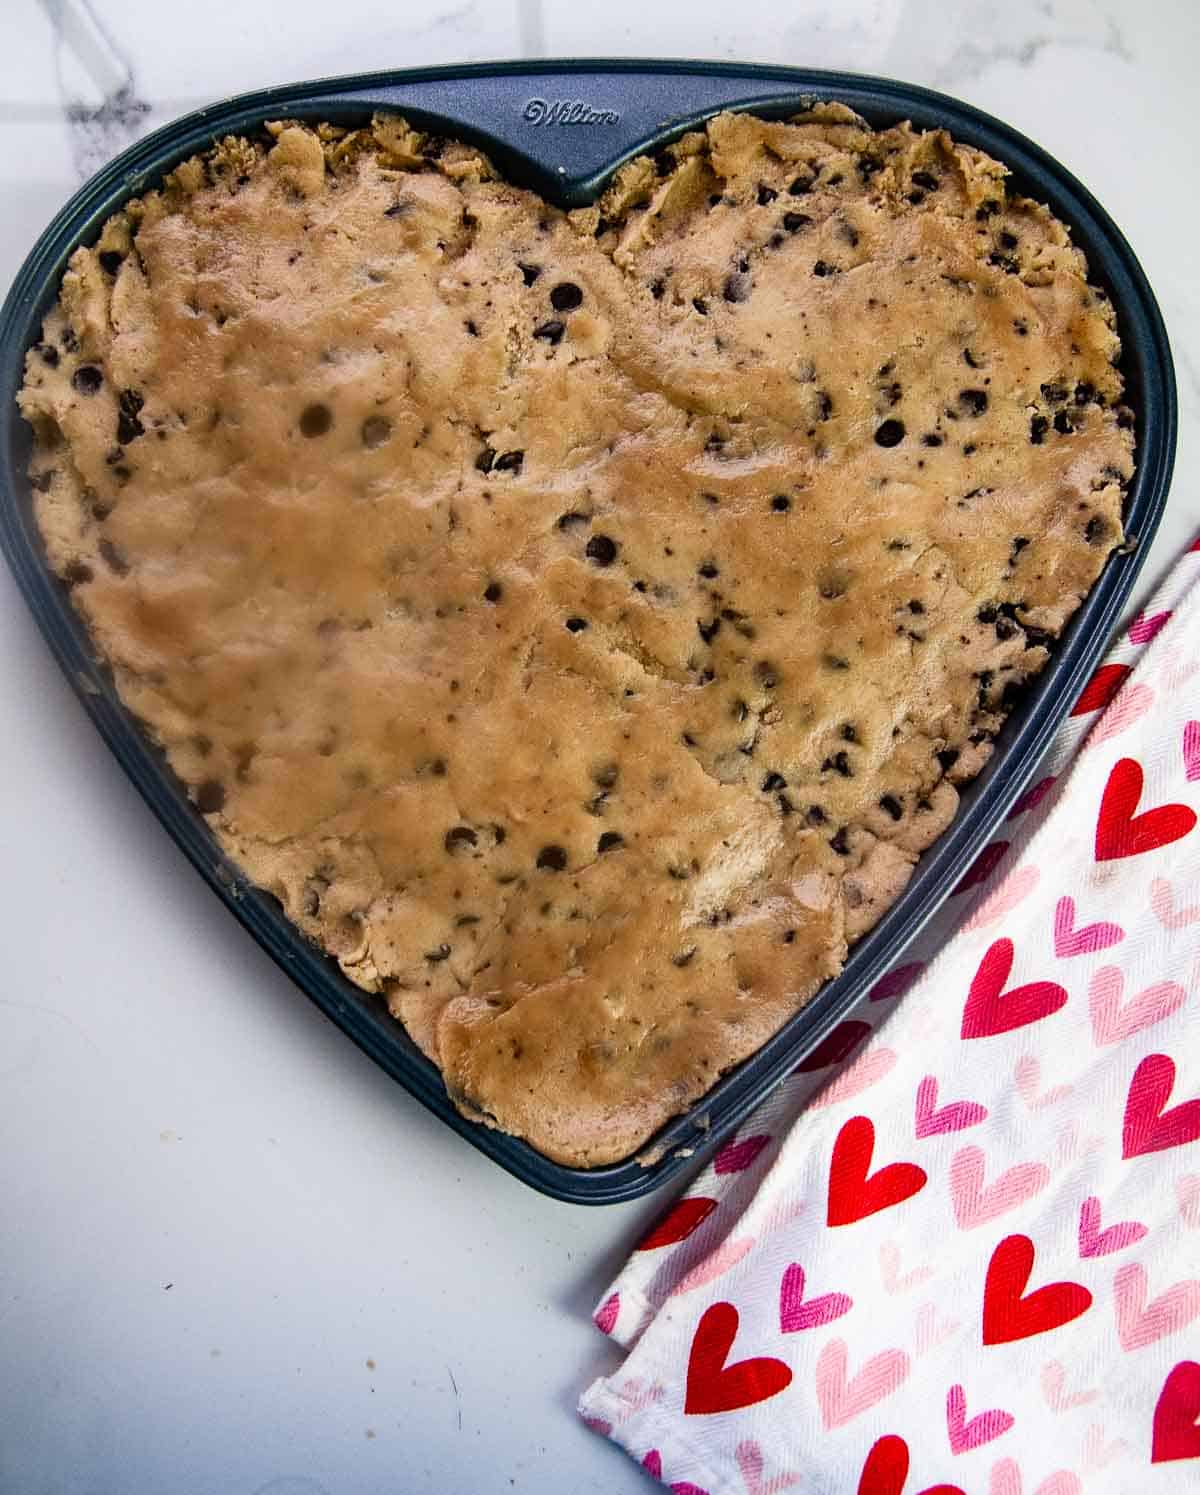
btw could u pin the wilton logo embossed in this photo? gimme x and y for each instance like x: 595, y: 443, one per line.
x: 566, y: 112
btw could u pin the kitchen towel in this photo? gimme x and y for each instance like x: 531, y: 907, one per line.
x: 970, y: 1262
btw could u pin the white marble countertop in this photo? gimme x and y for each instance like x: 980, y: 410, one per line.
x: 234, y: 1257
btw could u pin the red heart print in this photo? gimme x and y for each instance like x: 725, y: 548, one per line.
x: 854, y: 1191
x: 1101, y: 688
x: 795, y: 1314
x: 886, y: 1469
x: 1142, y: 628
x: 678, y: 1223
x: 713, y: 1386
x: 991, y: 1010
x: 973, y: 1204
x: 954, y: 1116
x: 1121, y: 831
x: 966, y: 1435
x: 1096, y: 1242
x: 1191, y: 751
x: 982, y: 867
x: 736, y: 1157
x: 605, y: 1317
x: 1112, y: 1022
x: 1148, y: 1128
x: 1083, y: 940
x: 897, y: 981
x: 1032, y: 797
x: 1140, y: 1323
x: 1177, y: 1416
x: 834, y: 1047
x: 1009, y: 1313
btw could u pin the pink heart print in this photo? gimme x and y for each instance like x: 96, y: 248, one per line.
x: 711, y: 1267
x: 605, y: 1317
x: 1028, y: 1077
x: 954, y: 1116
x: 1096, y: 1242
x: 867, y: 1070
x: 1054, y: 1389
x: 1112, y: 1022
x: 652, y: 1464
x: 796, y: 1314
x: 930, y: 1330
x: 1096, y: 1453
x: 750, y: 1466
x: 1032, y: 797
x: 739, y: 1154
x: 1191, y: 751
x: 1085, y: 939
x: 895, y: 1281
x: 976, y: 1205
x: 1006, y: 1480
x: 842, y: 1399
x: 1140, y: 1323
x: 1142, y: 629
x: 1133, y: 702
x: 1187, y: 1191
x: 982, y: 1428
x: 1015, y: 888
x: 1162, y: 904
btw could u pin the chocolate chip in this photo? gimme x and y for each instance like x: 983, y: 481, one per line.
x: 1095, y: 530
x: 1124, y: 418
x: 931, y: 438
x: 129, y: 427
x: 110, y: 260
x: 973, y: 401
x: 1004, y: 262
x: 890, y: 433
x: 601, y: 550
x: 822, y: 268
x: 947, y: 757
x: 772, y: 782
x: 781, y: 503
x: 375, y: 431
x: 815, y: 815
x: 736, y: 287
x: 766, y: 194
x: 801, y: 185
x: 529, y: 273
x: 1008, y: 240
x: 493, y: 592
x: 794, y: 222
x: 840, y: 763
x: 657, y: 287
x: 892, y: 806
x: 925, y: 179
x: 849, y: 733
x: 551, y: 332
x: 87, y: 378
x: 839, y: 843
x: 835, y: 662
x: 786, y: 807
x: 708, y: 570
x: 766, y: 674
x: 605, y: 775
x: 509, y: 462
x: 708, y: 631
x: 1085, y: 393
x: 566, y: 296
x: 483, y: 463
x: 1038, y: 427
x: 77, y: 573
x: 1063, y: 423
x: 609, y: 841
x: 441, y: 953
x: 114, y: 557
x: 576, y: 625
x: 315, y: 420
x: 552, y: 859
x: 701, y: 305
x: 459, y: 838
x: 210, y: 796
x: 868, y: 166
x: 48, y: 354
x: 970, y: 360
x: 986, y: 210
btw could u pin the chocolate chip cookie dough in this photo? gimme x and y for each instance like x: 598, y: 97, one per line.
x: 580, y: 622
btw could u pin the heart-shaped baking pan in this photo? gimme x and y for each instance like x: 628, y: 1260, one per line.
x: 562, y: 129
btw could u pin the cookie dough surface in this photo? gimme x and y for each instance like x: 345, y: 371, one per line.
x: 580, y: 622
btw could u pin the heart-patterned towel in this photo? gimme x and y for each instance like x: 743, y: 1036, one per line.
x: 971, y: 1261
